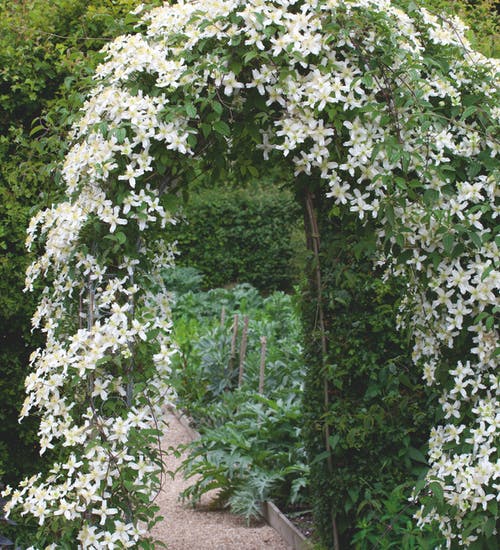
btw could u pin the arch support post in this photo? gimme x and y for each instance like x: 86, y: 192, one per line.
x: 318, y: 387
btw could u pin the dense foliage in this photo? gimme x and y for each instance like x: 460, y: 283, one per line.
x: 377, y: 410
x: 481, y: 16
x: 47, y: 51
x: 240, y: 235
x: 390, y: 110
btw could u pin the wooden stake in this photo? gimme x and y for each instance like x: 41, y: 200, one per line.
x: 243, y: 350
x: 263, y: 342
x: 233, y: 343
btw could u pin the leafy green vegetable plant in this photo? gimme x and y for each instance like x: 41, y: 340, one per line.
x: 252, y: 453
x: 250, y: 448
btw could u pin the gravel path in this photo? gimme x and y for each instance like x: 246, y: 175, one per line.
x: 188, y: 528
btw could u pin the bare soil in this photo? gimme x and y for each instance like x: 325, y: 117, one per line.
x: 201, y: 528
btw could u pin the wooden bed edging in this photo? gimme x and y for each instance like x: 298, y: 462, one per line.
x: 280, y: 523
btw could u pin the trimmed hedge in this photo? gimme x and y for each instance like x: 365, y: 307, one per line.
x: 244, y: 235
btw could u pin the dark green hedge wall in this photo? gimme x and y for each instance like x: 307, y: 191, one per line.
x: 245, y: 235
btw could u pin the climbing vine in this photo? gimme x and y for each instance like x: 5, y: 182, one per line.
x: 383, y: 102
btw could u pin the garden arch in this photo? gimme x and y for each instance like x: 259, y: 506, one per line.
x: 387, y: 112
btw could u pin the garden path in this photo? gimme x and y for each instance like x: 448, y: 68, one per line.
x: 202, y: 528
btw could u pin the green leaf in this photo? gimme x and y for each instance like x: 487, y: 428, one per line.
x: 474, y: 169
x: 320, y: 457
x: 253, y: 171
x: 389, y: 213
x: 431, y: 196
x: 490, y: 322
x: 121, y: 237
x: 353, y: 493
x: 416, y: 455
x: 489, y: 527
x: 191, y: 110
x: 493, y: 507
x: 120, y: 134
x: 401, y: 183
x: 448, y: 243
x: 103, y: 360
x: 217, y: 107
x: 367, y: 80
x: 468, y: 111
x: 333, y: 440
x: 206, y: 129
x: 437, y: 490
x: 221, y: 128
x: 475, y: 238
x: 36, y: 129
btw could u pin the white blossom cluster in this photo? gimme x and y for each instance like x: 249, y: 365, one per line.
x: 76, y: 372
x: 354, y: 102
x: 88, y: 385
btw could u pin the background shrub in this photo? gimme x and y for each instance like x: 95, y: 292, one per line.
x: 243, y: 235
x: 365, y: 397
